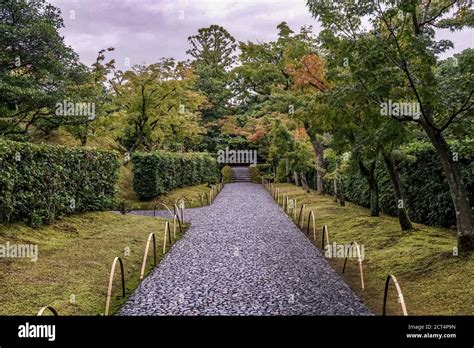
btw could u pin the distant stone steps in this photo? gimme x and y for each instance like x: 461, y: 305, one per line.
x: 241, y: 174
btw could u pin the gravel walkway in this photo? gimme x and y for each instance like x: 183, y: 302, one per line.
x: 243, y: 256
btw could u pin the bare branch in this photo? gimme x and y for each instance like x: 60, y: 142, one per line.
x: 429, y: 20
x: 465, y: 107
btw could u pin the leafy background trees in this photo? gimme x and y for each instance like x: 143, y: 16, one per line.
x: 36, y: 69
x: 155, y: 107
x: 310, y: 104
x: 404, y: 34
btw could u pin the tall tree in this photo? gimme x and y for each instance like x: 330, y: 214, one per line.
x: 308, y: 77
x: 356, y: 123
x: 156, y: 107
x: 37, y: 69
x: 406, y: 35
x: 282, y: 143
x: 213, y: 47
x: 213, y: 50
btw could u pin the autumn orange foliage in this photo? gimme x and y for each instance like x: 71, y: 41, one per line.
x: 309, y: 71
x: 300, y: 133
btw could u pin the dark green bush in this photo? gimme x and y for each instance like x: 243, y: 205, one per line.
x: 40, y: 183
x: 255, y: 175
x: 160, y: 172
x: 211, y: 169
x: 227, y: 174
x: 264, y: 168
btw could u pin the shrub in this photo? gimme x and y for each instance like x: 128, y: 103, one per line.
x: 264, y: 168
x: 255, y: 175
x: 426, y: 190
x: 281, y: 172
x: 160, y: 172
x: 227, y: 174
x: 40, y: 183
x: 211, y: 169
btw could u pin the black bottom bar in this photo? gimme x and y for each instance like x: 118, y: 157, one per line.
x: 195, y: 331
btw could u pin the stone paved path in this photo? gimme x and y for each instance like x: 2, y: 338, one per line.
x: 243, y: 256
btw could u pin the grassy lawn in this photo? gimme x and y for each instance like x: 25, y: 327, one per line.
x: 75, y: 255
x: 433, y: 281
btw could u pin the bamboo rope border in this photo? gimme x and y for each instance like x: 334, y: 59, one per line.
x: 111, y: 281
x: 325, y: 236
x: 311, y: 215
x: 167, y: 234
x: 51, y: 309
x: 167, y: 208
x: 400, y: 295
x: 359, y: 259
x: 150, y: 238
x: 301, y: 214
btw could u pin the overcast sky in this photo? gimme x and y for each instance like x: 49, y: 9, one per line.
x: 142, y: 31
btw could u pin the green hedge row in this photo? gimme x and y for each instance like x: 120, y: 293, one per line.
x: 160, y: 172
x: 40, y: 183
x: 255, y: 174
x: 265, y: 171
x: 227, y: 174
x: 427, y: 195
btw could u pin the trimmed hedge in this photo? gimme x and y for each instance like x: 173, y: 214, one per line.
x: 227, y: 174
x: 157, y: 173
x: 426, y: 190
x: 265, y: 171
x: 255, y: 175
x: 39, y: 183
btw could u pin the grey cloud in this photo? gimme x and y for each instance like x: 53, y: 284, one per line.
x: 145, y: 30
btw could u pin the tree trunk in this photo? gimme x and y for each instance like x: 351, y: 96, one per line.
x: 275, y: 170
x: 287, y: 171
x: 458, y: 191
x: 320, y: 168
x: 297, y: 180
x: 304, y: 182
x: 335, y: 189
x: 340, y: 190
x: 374, y: 197
x: 369, y: 174
x: 403, y: 217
